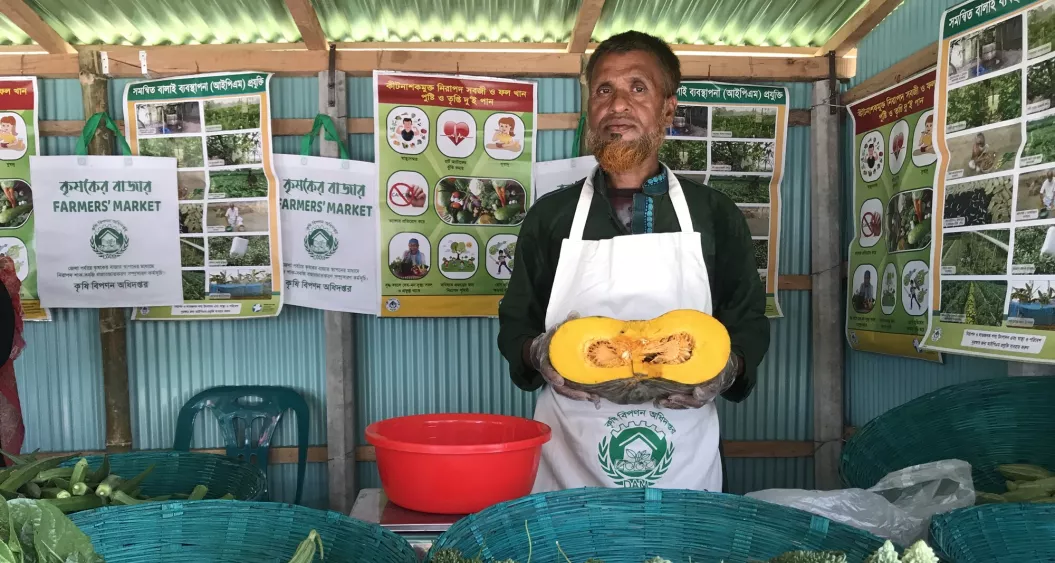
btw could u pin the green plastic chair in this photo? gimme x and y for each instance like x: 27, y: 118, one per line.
x: 228, y: 405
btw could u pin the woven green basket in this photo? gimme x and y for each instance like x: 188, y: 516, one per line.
x: 210, y: 531
x: 985, y: 423
x: 180, y: 472
x: 631, y: 525
x: 1007, y: 533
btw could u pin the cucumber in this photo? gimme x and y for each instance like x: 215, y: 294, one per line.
x: 1025, y: 495
x: 1023, y: 472
x: 987, y: 498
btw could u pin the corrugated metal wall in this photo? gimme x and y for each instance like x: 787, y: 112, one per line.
x: 454, y: 365
x: 876, y: 383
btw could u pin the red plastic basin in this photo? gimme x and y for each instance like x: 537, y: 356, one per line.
x: 456, y: 463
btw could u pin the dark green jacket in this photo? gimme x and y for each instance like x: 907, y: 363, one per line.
x: 736, y: 290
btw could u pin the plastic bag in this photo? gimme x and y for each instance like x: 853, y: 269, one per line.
x: 898, y: 508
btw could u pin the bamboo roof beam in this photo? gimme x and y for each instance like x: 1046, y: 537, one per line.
x: 27, y: 19
x: 311, y: 32
x: 585, y: 22
x: 859, y: 25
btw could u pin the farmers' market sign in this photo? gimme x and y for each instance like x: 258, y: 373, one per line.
x: 233, y: 84
x: 715, y: 93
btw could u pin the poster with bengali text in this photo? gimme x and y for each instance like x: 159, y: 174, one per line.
x: 993, y: 258
x: 18, y: 142
x: 454, y: 161
x: 329, y: 233
x: 894, y: 161
x: 733, y: 138
x: 218, y: 127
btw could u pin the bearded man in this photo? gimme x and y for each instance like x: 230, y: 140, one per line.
x: 632, y: 241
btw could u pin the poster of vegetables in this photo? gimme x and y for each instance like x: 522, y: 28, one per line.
x: 18, y: 142
x: 732, y: 137
x: 218, y: 128
x: 994, y: 234
x: 454, y: 162
x: 889, y: 272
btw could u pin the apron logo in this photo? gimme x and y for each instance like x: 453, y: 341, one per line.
x: 635, y: 454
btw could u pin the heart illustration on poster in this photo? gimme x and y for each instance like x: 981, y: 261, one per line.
x: 456, y: 132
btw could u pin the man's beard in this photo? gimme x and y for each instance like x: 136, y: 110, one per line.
x: 617, y: 156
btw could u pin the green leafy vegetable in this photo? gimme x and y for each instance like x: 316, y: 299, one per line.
x: 47, y: 535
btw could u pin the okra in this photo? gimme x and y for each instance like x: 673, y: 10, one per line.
x: 80, y: 489
x: 60, y: 483
x: 31, y: 490
x: 54, y: 492
x: 25, y: 473
x: 1023, y: 472
x: 228, y: 496
x: 121, y: 497
x: 106, y: 488
x: 76, y: 504
x: 133, y: 483
x: 57, y: 473
x: 161, y: 498
x: 103, y: 472
x: 306, y: 550
x: 79, y: 472
x: 198, y: 493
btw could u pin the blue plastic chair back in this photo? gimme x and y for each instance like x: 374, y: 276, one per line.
x: 236, y: 415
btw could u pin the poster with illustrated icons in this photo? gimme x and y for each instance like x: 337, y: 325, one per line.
x: 454, y: 161
x: 889, y: 257
x: 18, y: 142
x: 218, y: 128
x: 992, y: 290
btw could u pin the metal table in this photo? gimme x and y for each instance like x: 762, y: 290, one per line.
x: 419, y: 529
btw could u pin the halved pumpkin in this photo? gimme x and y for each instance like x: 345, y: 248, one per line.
x: 634, y: 362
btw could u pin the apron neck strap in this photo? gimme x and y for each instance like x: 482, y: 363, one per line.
x: 674, y: 190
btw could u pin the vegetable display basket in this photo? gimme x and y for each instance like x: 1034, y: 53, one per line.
x: 632, y: 525
x: 1008, y: 533
x: 985, y: 423
x: 179, y: 472
x: 210, y: 531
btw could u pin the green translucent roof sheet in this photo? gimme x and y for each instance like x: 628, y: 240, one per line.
x: 790, y: 23
x: 168, y: 22
x: 777, y: 23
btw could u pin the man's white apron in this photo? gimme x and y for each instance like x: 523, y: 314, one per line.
x: 631, y: 277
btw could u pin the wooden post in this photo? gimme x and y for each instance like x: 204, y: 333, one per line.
x: 340, y: 338
x: 826, y: 265
x: 112, y: 322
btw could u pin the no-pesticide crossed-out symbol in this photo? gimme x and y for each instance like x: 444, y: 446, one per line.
x: 402, y: 194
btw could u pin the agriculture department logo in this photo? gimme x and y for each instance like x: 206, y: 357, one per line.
x: 635, y: 455
x: 321, y: 240
x: 109, y: 238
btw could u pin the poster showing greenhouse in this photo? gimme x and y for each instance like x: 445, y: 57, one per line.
x: 889, y: 266
x: 993, y: 257
x: 733, y: 138
x: 218, y: 128
x: 18, y: 142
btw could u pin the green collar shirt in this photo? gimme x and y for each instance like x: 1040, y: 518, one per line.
x: 737, y: 293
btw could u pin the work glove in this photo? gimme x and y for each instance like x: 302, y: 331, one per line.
x: 705, y: 392
x: 539, y: 354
